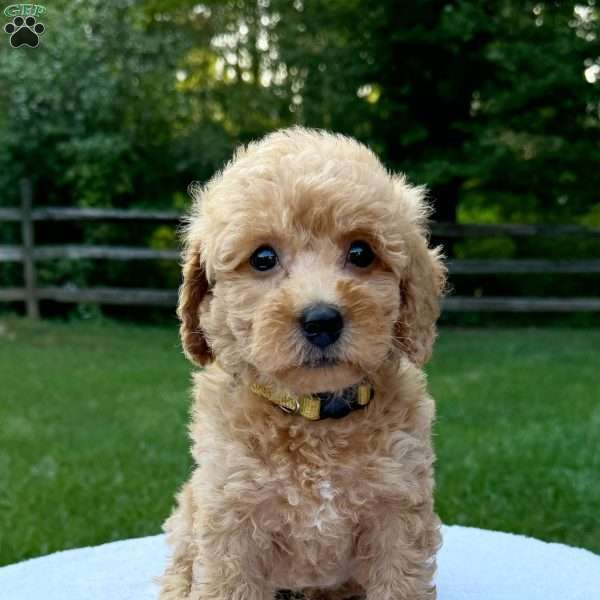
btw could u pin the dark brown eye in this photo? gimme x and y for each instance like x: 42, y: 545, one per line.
x: 360, y: 254
x: 263, y: 258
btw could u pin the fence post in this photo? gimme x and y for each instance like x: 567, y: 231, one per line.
x: 28, y: 256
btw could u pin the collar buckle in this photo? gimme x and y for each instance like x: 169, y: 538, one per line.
x: 291, y: 410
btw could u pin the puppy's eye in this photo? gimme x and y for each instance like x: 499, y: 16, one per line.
x: 360, y: 254
x: 263, y: 258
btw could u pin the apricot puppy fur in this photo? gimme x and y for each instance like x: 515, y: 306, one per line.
x: 307, y: 271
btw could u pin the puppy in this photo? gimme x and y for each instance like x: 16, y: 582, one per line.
x: 310, y: 297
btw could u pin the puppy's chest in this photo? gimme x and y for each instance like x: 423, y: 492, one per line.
x: 312, y: 518
x: 314, y: 504
x: 315, y: 492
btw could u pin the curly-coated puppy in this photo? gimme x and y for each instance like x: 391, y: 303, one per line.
x: 310, y: 295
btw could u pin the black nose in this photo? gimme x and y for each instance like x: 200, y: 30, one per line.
x: 321, y: 324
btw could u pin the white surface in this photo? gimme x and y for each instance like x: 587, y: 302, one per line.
x: 473, y: 564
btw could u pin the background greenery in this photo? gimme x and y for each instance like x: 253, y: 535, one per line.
x: 494, y: 105
x: 93, y: 440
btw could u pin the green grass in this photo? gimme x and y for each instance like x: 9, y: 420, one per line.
x: 518, y: 431
x: 93, y: 439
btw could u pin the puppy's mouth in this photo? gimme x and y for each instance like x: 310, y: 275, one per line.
x: 320, y: 363
x: 321, y: 372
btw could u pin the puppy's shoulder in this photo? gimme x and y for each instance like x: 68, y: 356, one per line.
x: 404, y: 402
x: 210, y: 381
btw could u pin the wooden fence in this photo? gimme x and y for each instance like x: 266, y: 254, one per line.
x: 29, y: 254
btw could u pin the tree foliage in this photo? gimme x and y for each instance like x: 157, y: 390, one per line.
x: 494, y: 105
x: 488, y: 103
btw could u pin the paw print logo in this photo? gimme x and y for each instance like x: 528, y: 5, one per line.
x: 24, y: 32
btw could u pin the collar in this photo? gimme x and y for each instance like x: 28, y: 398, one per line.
x: 319, y: 406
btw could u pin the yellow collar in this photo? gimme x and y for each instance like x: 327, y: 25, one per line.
x: 318, y: 406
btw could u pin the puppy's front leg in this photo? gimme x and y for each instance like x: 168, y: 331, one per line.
x: 215, y: 581
x: 401, y: 550
x: 229, y: 564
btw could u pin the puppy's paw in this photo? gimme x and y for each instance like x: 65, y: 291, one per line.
x: 289, y: 595
x: 400, y: 593
x: 349, y: 591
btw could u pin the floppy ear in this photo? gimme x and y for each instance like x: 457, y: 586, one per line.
x: 192, y: 291
x: 423, y: 282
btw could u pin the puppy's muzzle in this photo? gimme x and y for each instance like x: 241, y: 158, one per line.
x: 321, y: 324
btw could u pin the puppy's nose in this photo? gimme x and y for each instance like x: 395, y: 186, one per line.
x: 321, y: 324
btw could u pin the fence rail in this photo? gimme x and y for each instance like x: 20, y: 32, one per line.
x: 76, y: 252
x: 459, y: 230
x: 29, y: 254
x: 91, y: 214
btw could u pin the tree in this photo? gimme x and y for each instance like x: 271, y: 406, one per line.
x: 484, y: 102
x: 494, y: 105
x: 89, y: 113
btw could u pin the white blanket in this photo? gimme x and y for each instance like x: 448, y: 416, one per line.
x: 473, y: 564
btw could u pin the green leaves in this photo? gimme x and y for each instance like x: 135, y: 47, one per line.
x: 127, y: 102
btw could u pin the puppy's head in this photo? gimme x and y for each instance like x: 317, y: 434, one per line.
x: 306, y: 265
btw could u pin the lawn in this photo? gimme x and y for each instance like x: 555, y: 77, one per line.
x: 93, y: 432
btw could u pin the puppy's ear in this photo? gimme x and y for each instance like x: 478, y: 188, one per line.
x: 423, y: 282
x: 191, y: 293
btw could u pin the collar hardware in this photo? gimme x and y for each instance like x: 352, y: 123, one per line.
x: 318, y: 406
